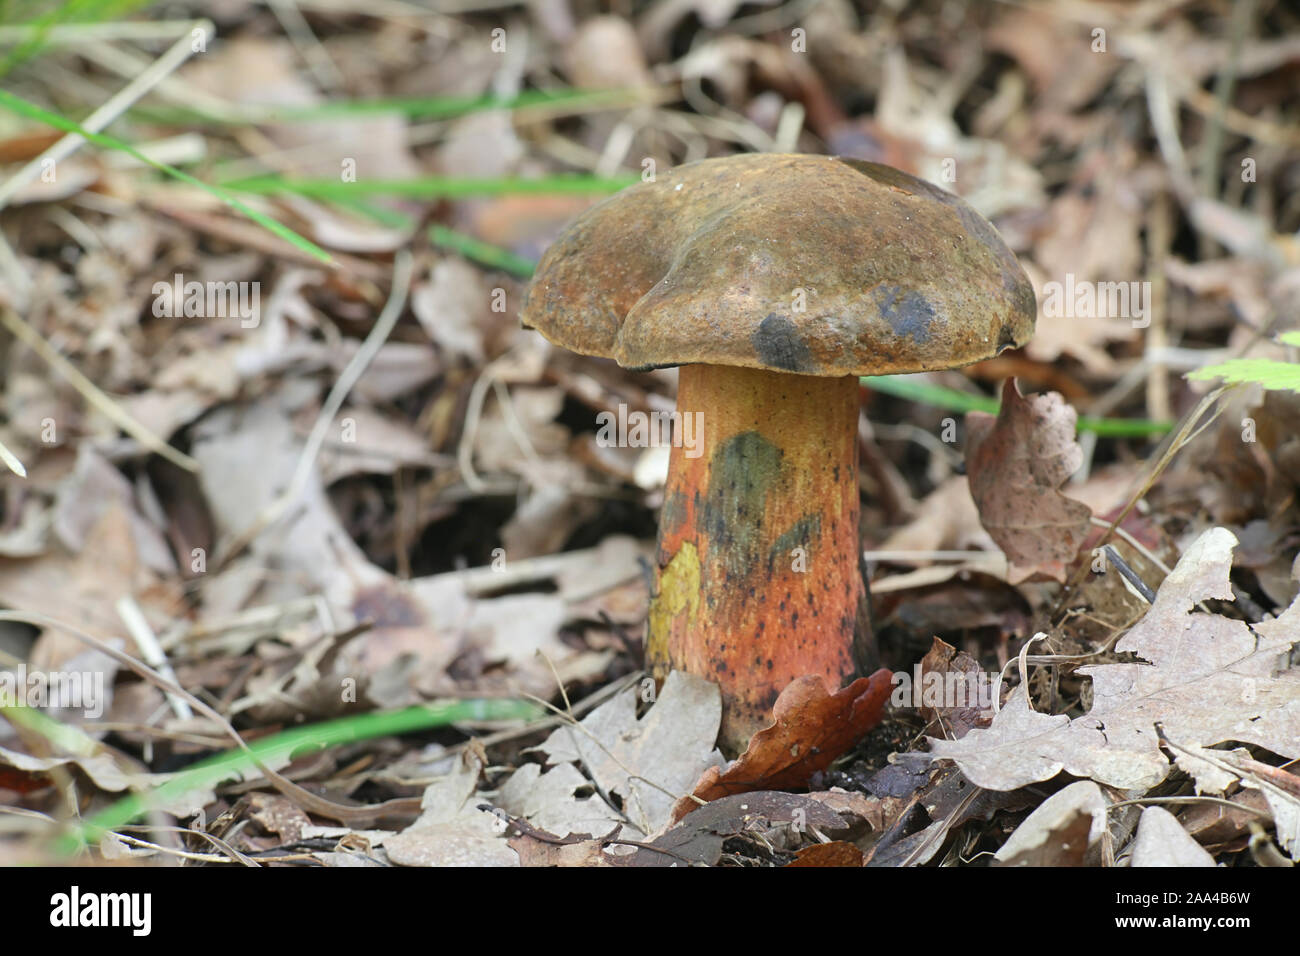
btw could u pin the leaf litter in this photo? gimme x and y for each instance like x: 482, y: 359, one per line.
x: 1186, y: 658
x: 382, y: 585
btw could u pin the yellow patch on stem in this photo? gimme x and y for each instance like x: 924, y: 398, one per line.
x: 679, y: 590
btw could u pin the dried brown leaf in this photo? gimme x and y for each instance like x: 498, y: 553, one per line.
x: 960, y: 669
x: 1016, y: 463
x: 810, y: 729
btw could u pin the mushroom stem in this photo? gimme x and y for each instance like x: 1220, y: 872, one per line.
x: 758, y: 579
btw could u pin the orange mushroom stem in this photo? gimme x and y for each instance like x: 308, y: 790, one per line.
x: 758, y: 580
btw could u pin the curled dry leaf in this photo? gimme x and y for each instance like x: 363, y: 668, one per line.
x: 538, y: 847
x: 1016, y: 463
x: 810, y: 729
x: 957, y: 670
x: 605, y: 54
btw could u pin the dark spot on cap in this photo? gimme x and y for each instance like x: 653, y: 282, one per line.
x: 907, y: 312
x: 778, y: 345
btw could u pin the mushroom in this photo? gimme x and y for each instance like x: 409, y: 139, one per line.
x: 774, y: 282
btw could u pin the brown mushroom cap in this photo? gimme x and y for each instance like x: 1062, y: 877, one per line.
x: 702, y: 266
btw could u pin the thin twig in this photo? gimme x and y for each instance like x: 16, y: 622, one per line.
x: 1189, y: 799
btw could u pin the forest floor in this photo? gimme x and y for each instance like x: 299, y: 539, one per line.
x: 349, y: 579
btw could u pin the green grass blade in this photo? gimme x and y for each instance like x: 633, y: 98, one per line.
x: 489, y: 255
x: 290, y: 743
x: 389, y: 218
x: 941, y: 397
x: 32, y: 111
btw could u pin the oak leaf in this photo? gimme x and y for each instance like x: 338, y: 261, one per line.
x: 1206, y: 679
